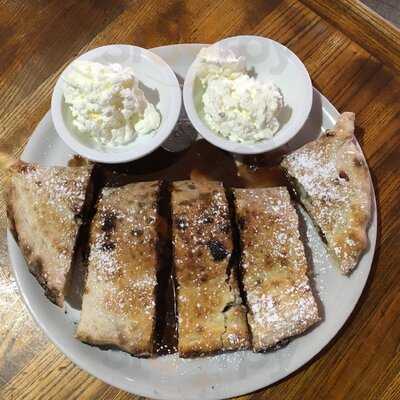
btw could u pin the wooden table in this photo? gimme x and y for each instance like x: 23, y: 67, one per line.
x: 353, y: 58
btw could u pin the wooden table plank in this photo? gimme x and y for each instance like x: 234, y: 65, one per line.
x: 363, y: 360
x: 30, y: 54
x: 364, y: 26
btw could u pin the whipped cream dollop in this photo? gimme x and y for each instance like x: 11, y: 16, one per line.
x: 107, y: 104
x: 235, y: 105
x: 216, y: 61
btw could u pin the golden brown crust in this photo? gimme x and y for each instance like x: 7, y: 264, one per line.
x: 44, y: 206
x: 274, y: 267
x: 332, y: 180
x: 118, y: 307
x: 210, y: 314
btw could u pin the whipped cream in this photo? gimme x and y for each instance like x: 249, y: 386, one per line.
x: 107, y: 104
x: 235, y: 105
x: 216, y: 61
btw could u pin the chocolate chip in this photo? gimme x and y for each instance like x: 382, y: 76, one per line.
x: 217, y: 250
x: 226, y: 227
x: 108, y: 246
x: 208, y: 220
x: 38, y: 265
x: 343, y: 175
x: 27, y: 168
x: 322, y: 235
x: 181, y: 223
x: 78, y: 218
x: 330, y: 133
x: 150, y: 220
x: 108, y: 222
x: 137, y: 232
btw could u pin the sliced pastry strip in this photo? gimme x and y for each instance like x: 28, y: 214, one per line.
x: 274, y: 267
x: 45, y: 209
x: 331, y: 179
x: 119, y: 300
x: 211, y: 317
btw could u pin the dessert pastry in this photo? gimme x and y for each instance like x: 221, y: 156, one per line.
x: 45, y: 209
x: 273, y: 266
x: 331, y: 179
x: 119, y: 300
x: 211, y: 317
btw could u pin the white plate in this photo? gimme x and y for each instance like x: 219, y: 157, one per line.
x: 209, y: 378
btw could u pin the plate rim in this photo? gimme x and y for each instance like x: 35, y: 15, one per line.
x: 141, y: 388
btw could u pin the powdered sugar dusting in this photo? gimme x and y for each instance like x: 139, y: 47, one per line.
x: 332, y: 181
x: 279, y: 296
x: 62, y: 188
x: 211, y: 318
x: 122, y: 270
x: 319, y: 176
x: 48, y: 203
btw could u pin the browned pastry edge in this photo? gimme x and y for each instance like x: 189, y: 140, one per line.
x: 212, y: 352
x: 103, y: 345
x: 35, y: 264
x: 78, y: 271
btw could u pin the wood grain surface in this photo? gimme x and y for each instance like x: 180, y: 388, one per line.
x: 38, y: 38
x: 364, y: 26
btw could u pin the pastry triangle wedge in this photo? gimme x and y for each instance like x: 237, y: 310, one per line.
x: 331, y: 179
x: 45, y: 209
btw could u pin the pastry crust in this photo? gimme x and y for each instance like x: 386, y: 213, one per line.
x: 211, y: 317
x: 119, y: 301
x: 274, y: 267
x: 45, y: 207
x: 332, y: 181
